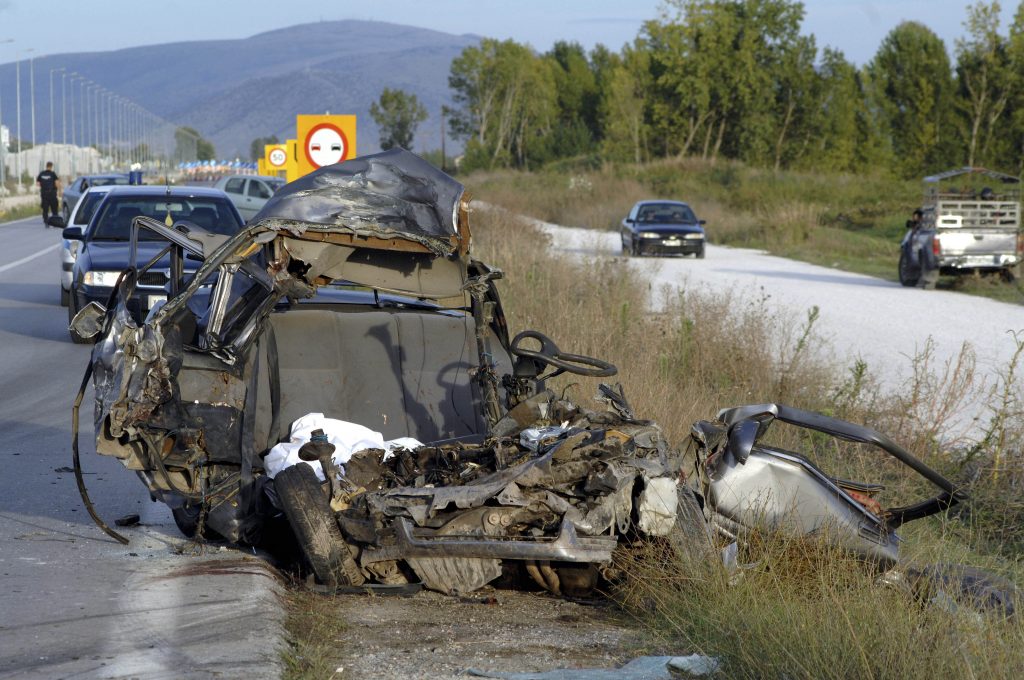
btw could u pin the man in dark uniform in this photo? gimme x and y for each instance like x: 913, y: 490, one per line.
x: 49, y: 184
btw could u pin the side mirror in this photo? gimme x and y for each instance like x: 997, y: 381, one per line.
x: 89, y: 320
x: 55, y: 221
x: 72, y: 233
x: 742, y: 437
x: 629, y: 221
x: 702, y: 222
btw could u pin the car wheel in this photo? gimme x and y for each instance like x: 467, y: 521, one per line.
x: 909, y: 274
x: 312, y: 521
x: 67, y: 214
x: 187, y: 519
x: 634, y: 249
x: 929, y: 278
x: 72, y: 311
x: 65, y: 296
x: 700, y: 252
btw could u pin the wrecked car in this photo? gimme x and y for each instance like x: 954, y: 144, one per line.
x: 424, y: 445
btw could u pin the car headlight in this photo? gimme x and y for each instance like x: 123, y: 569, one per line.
x: 649, y: 234
x: 102, y: 279
x: 693, y: 236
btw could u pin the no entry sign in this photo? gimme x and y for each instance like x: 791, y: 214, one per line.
x: 324, y: 140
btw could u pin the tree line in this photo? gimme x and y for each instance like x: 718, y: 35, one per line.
x: 738, y: 79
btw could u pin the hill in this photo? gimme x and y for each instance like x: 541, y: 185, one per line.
x: 235, y: 90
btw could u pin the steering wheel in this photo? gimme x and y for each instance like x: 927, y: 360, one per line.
x: 550, y: 355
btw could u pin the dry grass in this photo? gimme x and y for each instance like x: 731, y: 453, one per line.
x: 828, y: 617
x: 314, y: 634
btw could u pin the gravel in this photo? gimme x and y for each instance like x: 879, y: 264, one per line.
x: 861, y: 316
x: 437, y: 637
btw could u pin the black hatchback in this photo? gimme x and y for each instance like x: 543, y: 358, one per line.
x: 662, y: 228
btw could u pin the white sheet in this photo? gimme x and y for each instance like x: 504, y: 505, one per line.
x: 347, y: 438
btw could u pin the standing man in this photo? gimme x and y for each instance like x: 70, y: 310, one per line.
x: 48, y: 183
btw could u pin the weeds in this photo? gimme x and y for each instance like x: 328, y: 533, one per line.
x: 315, y: 632
x: 808, y: 610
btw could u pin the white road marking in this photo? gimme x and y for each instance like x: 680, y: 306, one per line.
x: 29, y: 258
x: 19, y: 221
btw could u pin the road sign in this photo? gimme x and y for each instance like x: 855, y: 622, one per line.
x: 324, y: 140
x: 276, y: 156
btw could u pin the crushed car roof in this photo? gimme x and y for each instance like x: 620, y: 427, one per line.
x: 393, y: 194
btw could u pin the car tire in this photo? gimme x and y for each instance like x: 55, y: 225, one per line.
x: 65, y: 296
x: 186, y: 518
x: 312, y: 521
x: 634, y: 249
x: 72, y: 311
x: 909, y: 274
x: 700, y: 252
x: 66, y: 212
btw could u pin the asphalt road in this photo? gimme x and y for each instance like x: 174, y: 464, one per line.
x: 75, y: 603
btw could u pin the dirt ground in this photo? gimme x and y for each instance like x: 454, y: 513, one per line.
x: 439, y: 637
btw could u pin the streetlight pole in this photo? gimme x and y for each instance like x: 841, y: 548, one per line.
x: 63, y: 108
x: 3, y: 147
x: 17, y: 111
x: 74, y: 120
x: 52, y: 71
x: 32, y: 93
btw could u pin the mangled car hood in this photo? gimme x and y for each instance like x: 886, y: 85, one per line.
x: 393, y: 194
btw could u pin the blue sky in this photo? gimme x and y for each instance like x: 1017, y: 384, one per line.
x: 53, y: 26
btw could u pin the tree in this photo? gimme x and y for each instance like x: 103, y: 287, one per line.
x: 985, y: 78
x: 257, y: 146
x: 624, y: 105
x: 189, y: 145
x: 912, y: 87
x: 505, y: 104
x: 397, y: 114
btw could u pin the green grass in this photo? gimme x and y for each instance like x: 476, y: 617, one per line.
x: 849, y: 222
x: 19, y: 212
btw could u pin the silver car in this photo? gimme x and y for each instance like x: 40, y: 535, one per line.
x: 249, y: 193
x: 79, y: 216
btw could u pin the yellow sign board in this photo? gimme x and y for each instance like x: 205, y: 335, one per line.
x: 291, y: 167
x: 275, y: 158
x: 324, y: 140
x: 261, y: 167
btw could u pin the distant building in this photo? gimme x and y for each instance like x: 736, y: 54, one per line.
x: 5, y: 136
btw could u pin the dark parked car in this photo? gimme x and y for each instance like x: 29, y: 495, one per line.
x: 351, y: 304
x: 662, y: 228
x: 74, y: 191
x: 105, y: 243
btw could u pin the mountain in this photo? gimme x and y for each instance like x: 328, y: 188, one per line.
x: 232, y: 91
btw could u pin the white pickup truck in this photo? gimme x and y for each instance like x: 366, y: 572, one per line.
x: 965, y: 228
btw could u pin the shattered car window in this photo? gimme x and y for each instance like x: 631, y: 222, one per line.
x: 114, y: 219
